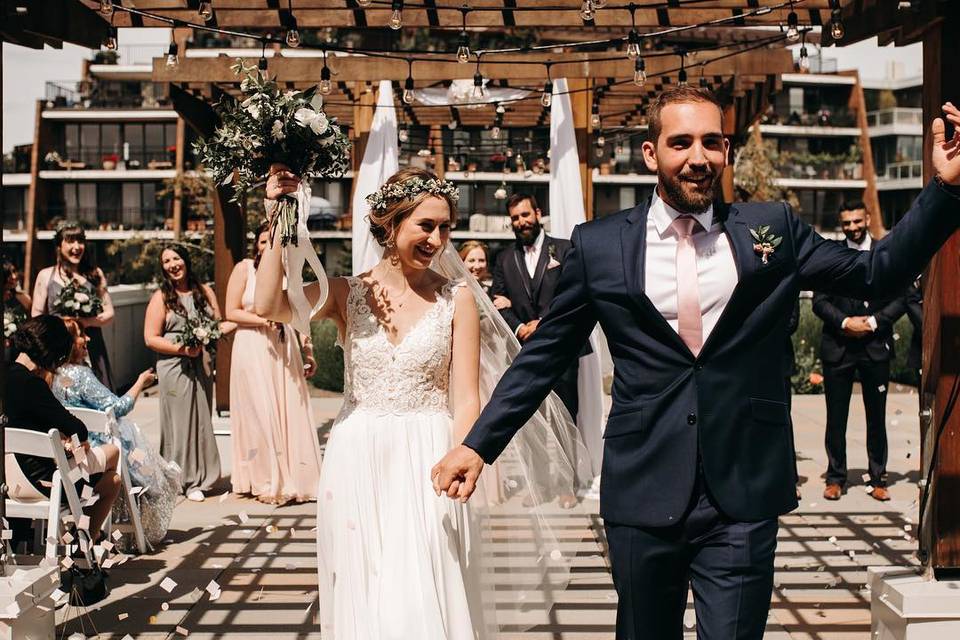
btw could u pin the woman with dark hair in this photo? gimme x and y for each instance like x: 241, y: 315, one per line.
x: 74, y: 265
x: 44, y: 344
x: 75, y: 386
x: 185, y: 380
x: 276, y: 455
x: 16, y: 306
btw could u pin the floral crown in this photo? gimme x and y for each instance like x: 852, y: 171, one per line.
x: 410, y: 189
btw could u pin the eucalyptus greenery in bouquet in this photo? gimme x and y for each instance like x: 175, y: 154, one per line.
x: 273, y: 126
x: 201, y: 331
x: 77, y: 301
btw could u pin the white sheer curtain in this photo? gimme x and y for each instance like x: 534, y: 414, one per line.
x: 566, y: 212
x: 381, y: 159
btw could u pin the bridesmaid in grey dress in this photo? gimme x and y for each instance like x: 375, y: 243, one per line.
x: 183, y: 374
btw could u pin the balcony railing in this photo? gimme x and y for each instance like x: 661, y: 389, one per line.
x: 123, y: 156
x: 903, y: 170
x: 107, y: 95
x: 895, y: 115
x: 107, y: 218
x: 821, y: 170
x: 839, y: 117
x: 129, y: 54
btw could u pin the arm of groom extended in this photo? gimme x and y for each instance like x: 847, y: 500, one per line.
x: 546, y: 355
x: 893, y: 262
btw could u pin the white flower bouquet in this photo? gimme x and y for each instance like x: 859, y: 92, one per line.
x: 201, y: 331
x: 12, y: 319
x: 271, y: 126
x: 77, y: 301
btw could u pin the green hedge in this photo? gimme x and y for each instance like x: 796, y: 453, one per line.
x: 329, y: 356
x: 806, y: 344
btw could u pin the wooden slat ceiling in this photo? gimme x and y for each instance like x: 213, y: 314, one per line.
x: 650, y: 14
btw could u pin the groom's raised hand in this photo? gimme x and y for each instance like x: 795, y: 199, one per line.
x: 456, y: 474
x: 946, y: 152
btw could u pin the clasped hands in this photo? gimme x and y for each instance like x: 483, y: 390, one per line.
x: 456, y: 474
x: 857, y: 327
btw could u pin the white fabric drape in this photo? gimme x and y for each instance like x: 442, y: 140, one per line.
x: 381, y: 159
x: 566, y: 212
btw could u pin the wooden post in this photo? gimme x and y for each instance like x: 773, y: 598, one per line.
x: 228, y: 249
x: 178, y: 184
x: 35, y: 258
x: 871, y: 198
x: 581, y: 102
x: 439, y: 160
x: 941, y: 327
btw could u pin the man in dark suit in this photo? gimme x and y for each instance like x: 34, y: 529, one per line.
x: 526, y: 275
x: 693, y: 297
x: 857, y: 341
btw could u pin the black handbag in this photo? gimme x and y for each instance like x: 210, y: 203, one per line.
x: 86, y: 587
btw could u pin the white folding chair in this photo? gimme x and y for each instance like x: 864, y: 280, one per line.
x: 45, y: 445
x: 99, y: 422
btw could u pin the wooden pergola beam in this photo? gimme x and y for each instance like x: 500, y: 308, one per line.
x: 52, y: 22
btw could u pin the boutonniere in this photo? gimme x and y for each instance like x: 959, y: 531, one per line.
x: 552, y: 253
x: 764, y: 242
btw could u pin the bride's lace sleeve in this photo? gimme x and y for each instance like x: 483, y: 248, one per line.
x: 294, y: 257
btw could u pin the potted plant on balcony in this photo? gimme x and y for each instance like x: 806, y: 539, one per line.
x: 110, y: 161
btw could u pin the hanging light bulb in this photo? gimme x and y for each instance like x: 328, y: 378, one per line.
x: 501, y: 192
x: 363, y: 4
x: 205, y: 11
x: 586, y: 11
x: 106, y: 7
x: 618, y: 150
x: 293, y: 38
x: 111, y: 41
x: 601, y: 141
x: 452, y: 124
x: 508, y: 152
x: 793, y: 28
x: 599, y: 4
x: 836, y: 25
x: 325, y: 86
x: 463, y: 51
x: 408, y: 90
x: 682, y: 77
x: 595, y: 117
x: 173, y: 56
x: 403, y: 134
x: 478, y: 84
x: 804, y: 59
x: 546, y: 98
x: 495, y: 132
x: 639, y: 72
x: 501, y: 109
x: 396, y: 18
x: 262, y: 63
x: 633, y: 45
x: 599, y: 152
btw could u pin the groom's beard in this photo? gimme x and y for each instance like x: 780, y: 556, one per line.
x: 528, y: 235
x: 687, y: 196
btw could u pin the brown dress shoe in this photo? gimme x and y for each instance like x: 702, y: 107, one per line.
x: 880, y: 493
x: 833, y: 492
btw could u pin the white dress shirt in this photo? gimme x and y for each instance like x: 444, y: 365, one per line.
x: 531, y: 254
x: 716, y: 268
x: 864, y: 246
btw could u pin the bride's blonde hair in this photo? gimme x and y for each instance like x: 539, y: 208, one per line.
x: 385, y: 221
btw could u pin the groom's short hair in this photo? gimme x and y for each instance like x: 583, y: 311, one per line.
x: 676, y: 95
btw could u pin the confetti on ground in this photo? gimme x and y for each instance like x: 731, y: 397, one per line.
x: 183, y: 632
x: 123, y: 616
x: 168, y: 585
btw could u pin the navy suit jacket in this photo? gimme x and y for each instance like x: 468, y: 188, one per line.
x: 724, y: 410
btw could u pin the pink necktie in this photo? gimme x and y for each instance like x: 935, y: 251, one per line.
x: 689, y: 320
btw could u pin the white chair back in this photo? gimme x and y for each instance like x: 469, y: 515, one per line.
x: 95, y: 421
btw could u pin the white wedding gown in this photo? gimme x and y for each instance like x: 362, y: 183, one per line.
x: 395, y: 560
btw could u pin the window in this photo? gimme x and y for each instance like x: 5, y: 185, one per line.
x: 133, y: 145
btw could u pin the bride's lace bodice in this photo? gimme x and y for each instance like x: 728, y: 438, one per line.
x: 411, y: 376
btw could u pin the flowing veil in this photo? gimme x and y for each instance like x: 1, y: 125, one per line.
x: 520, y: 563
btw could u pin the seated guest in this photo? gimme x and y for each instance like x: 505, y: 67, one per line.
x: 44, y: 344
x: 76, y: 385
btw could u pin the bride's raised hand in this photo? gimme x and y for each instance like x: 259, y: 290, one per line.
x: 281, y: 181
x: 456, y: 474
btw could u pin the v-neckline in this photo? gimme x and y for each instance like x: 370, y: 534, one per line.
x: 367, y: 288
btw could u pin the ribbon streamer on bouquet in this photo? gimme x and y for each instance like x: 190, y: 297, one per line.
x: 294, y: 257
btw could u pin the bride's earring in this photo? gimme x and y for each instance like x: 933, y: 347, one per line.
x: 394, y: 258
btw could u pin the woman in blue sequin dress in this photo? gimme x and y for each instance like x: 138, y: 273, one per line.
x: 75, y: 385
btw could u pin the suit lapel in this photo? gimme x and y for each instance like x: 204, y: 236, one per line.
x: 633, y: 246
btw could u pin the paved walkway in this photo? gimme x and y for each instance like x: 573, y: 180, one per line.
x: 262, y: 557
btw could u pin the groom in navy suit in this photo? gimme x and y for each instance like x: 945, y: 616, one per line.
x: 694, y: 297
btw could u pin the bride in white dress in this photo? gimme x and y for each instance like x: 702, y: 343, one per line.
x: 394, y: 560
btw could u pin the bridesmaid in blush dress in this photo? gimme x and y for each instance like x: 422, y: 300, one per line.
x: 276, y: 454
